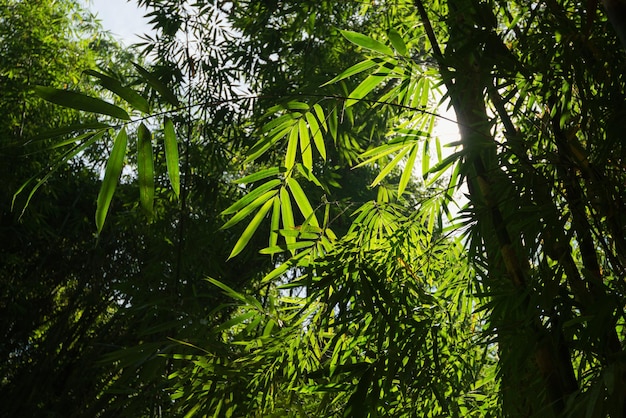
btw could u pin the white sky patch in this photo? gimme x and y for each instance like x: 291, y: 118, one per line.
x: 124, y: 19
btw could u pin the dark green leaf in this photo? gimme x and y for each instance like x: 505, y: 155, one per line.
x: 111, y: 176
x: 80, y: 101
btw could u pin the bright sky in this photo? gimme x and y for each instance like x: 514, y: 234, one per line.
x: 124, y: 19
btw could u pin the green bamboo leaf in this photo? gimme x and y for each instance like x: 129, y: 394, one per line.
x: 171, y: 155
x: 295, y: 105
x: 80, y: 101
x: 228, y: 291
x: 111, y: 177
x: 316, y: 132
x: 292, y: 147
x: 302, y: 201
x: 355, y: 69
x: 251, y: 229
x: 247, y: 210
x: 158, y: 85
x: 397, y: 41
x: 408, y: 170
x: 426, y: 159
x: 251, y: 197
x: 287, y: 247
x: 366, y: 86
x: 390, y: 166
x: 260, y: 175
x: 286, y: 212
x: 305, y: 144
x: 378, y: 153
x: 319, y: 112
x: 145, y: 167
x: 366, y: 42
x: 275, y: 223
x: 266, y: 142
x: 131, y: 96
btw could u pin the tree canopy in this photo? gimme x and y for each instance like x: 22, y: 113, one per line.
x: 281, y: 230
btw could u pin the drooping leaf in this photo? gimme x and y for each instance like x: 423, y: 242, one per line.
x: 366, y: 42
x: 392, y: 164
x: 250, y: 197
x: 355, y: 69
x: 292, y: 147
x: 248, y: 209
x: 251, y: 229
x: 131, y: 96
x: 408, y: 170
x: 316, y: 132
x: 302, y: 201
x: 260, y: 175
x: 286, y: 212
x: 63, y: 130
x: 397, y: 41
x: 145, y: 167
x: 305, y: 144
x: 111, y: 177
x: 171, y: 155
x: 80, y: 101
x: 366, y: 86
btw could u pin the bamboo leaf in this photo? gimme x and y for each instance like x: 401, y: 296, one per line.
x: 408, y: 170
x: 266, y: 142
x: 316, y: 132
x: 366, y: 86
x: 171, y: 155
x: 287, y: 247
x: 390, y: 166
x: 111, y: 177
x: 250, y: 197
x: 260, y: 175
x: 158, y: 85
x: 302, y: 201
x: 305, y: 144
x: 366, y: 42
x: 355, y: 69
x: 319, y: 112
x: 397, y: 41
x: 145, y: 167
x: 247, y: 210
x: 275, y: 223
x: 71, y: 129
x: 80, y: 101
x: 251, y: 229
x: 286, y: 212
x: 292, y: 146
x: 131, y: 96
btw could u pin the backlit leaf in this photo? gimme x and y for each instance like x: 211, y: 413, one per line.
x: 305, y: 144
x: 397, y: 41
x: 366, y: 42
x: 111, y: 177
x: 251, y: 229
x: 302, y: 201
x: 316, y: 132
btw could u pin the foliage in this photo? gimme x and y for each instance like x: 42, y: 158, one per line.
x: 511, y: 307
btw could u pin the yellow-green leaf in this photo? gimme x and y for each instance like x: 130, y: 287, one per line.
x: 251, y: 197
x: 305, y: 144
x: 243, y: 213
x: 111, y: 177
x: 366, y: 42
x: 302, y: 201
x: 397, y: 41
x: 292, y: 146
x: 286, y: 212
x: 251, y: 229
x: 316, y: 132
x: 408, y: 170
